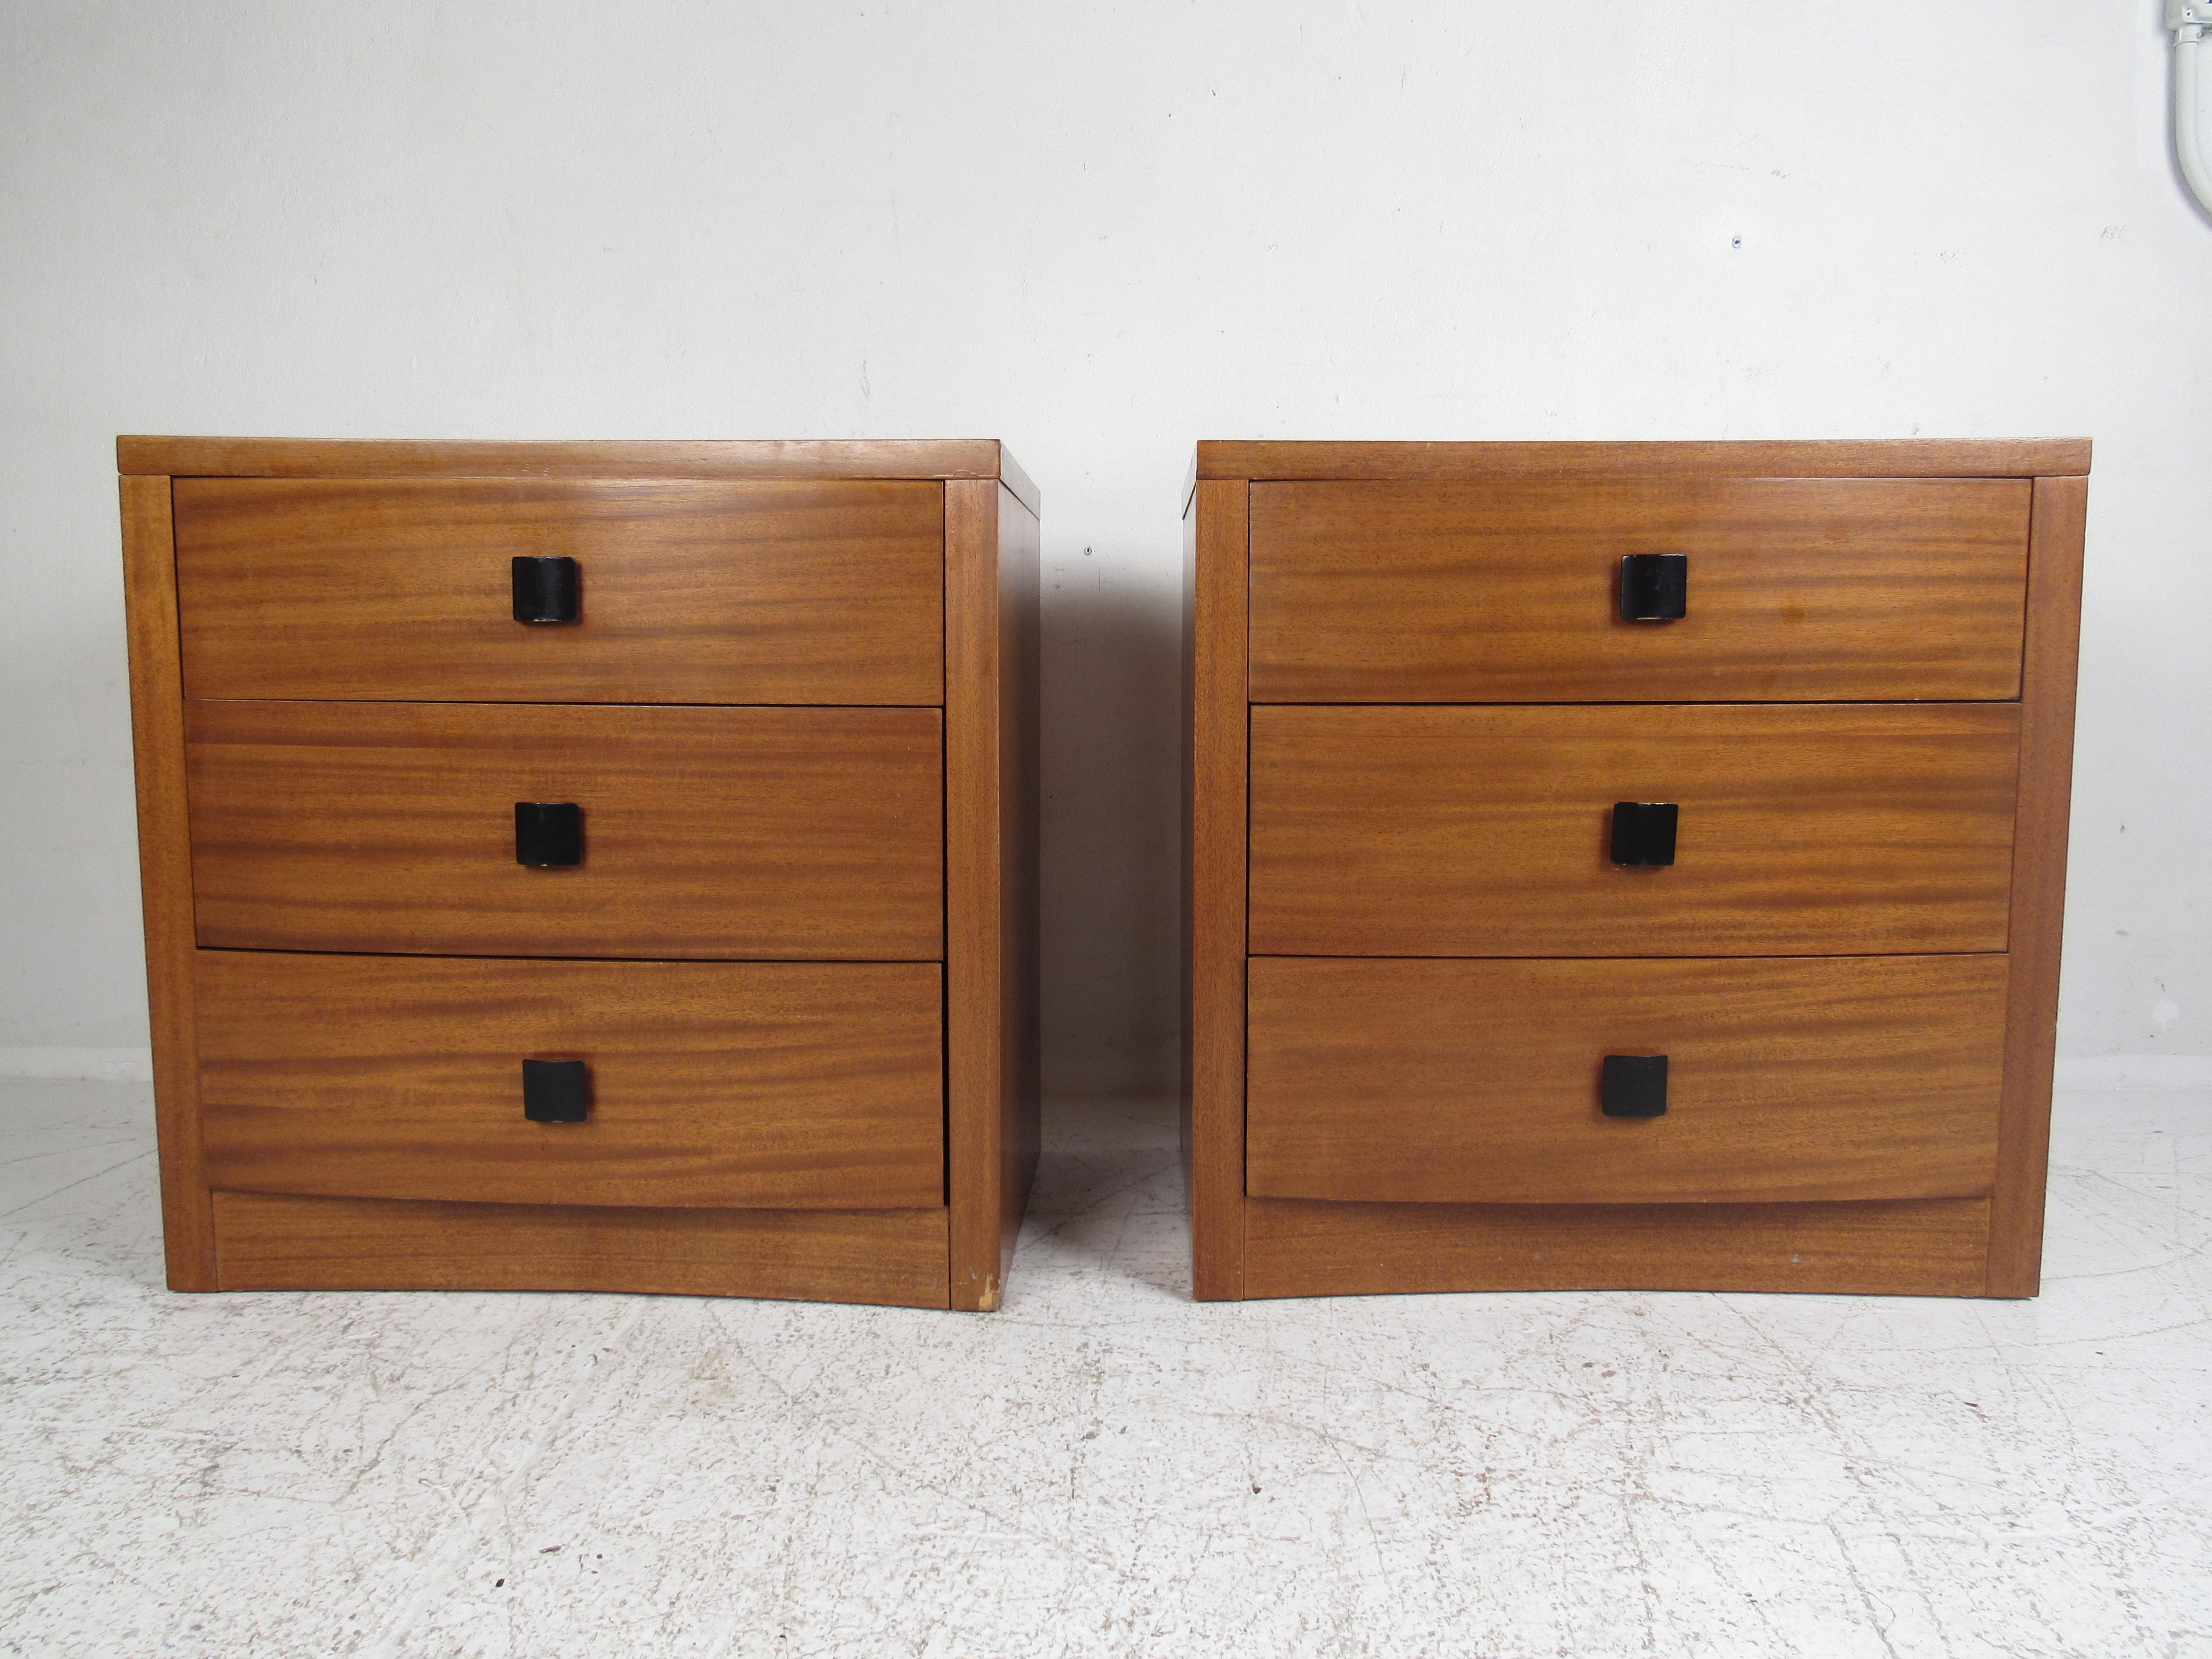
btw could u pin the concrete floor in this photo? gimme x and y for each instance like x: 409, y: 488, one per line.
x: 1104, y: 1468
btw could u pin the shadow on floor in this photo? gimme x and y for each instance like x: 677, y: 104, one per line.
x: 1109, y: 1196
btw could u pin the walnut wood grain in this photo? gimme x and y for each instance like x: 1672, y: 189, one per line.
x: 1928, y: 1247
x: 739, y: 458
x: 709, y: 832
x: 1844, y: 830
x: 821, y: 591
x: 780, y: 1085
x: 1450, y: 462
x: 2038, y: 889
x: 1214, y: 885
x: 727, y: 573
x: 1847, y: 589
x: 165, y: 875
x: 1470, y: 1082
x: 993, y: 1059
x: 892, y: 1257
x: 1947, y: 1246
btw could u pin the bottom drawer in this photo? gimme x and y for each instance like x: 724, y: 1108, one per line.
x: 1470, y: 1082
x: 792, y: 1085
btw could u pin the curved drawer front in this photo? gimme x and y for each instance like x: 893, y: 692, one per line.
x: 1481, y: 1082
x: 794, y: 1086
x: 775, y: 591
x: 1802, y: 829
x: 1798, y: 589
x: 799, y: 833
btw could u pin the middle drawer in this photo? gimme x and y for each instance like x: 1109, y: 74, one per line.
x: 1483, y: 831
x: 793, y: 833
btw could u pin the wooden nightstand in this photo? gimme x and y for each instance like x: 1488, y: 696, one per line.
x: 588, y: 865
x: 1631, y: 865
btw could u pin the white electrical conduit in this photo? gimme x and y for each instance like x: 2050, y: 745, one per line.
x: 2188, y: 20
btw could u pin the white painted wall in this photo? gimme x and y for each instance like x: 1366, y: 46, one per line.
x: 1101, y: 232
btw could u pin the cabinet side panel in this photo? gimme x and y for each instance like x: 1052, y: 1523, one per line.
x: 2039, y: 882
x: 975, y: 892
x: 1219, y: 726
x: 1021, y: 1061
x: 165, y: 874
x: 1185, y: 733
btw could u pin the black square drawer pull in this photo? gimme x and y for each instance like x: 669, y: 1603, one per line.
x: 548, y: 834
x: 1655, y: 587
x: 1635, y: 1085
x: 1644, y: 832
x: 548, y: 590
x: 559, y: 1090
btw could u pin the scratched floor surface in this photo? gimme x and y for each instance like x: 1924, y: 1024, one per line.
x: 1104, y: 1468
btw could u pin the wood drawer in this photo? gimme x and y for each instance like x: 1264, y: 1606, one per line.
x: 1484, y: 831
x: 792, y: 1086
x: 786, y: 591
x: 803, y: 832
x: 1478, y: 1082
x: 1800, y: 589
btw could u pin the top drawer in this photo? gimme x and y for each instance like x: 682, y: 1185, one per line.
x: 1798, y: 590
x: 769, y: 592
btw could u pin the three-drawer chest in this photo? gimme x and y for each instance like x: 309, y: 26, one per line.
x: 588, y: 865
x: 1625, y: 865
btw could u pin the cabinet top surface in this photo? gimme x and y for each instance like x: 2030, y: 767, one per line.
x: 1447, y: 463
x: 729, y: 457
